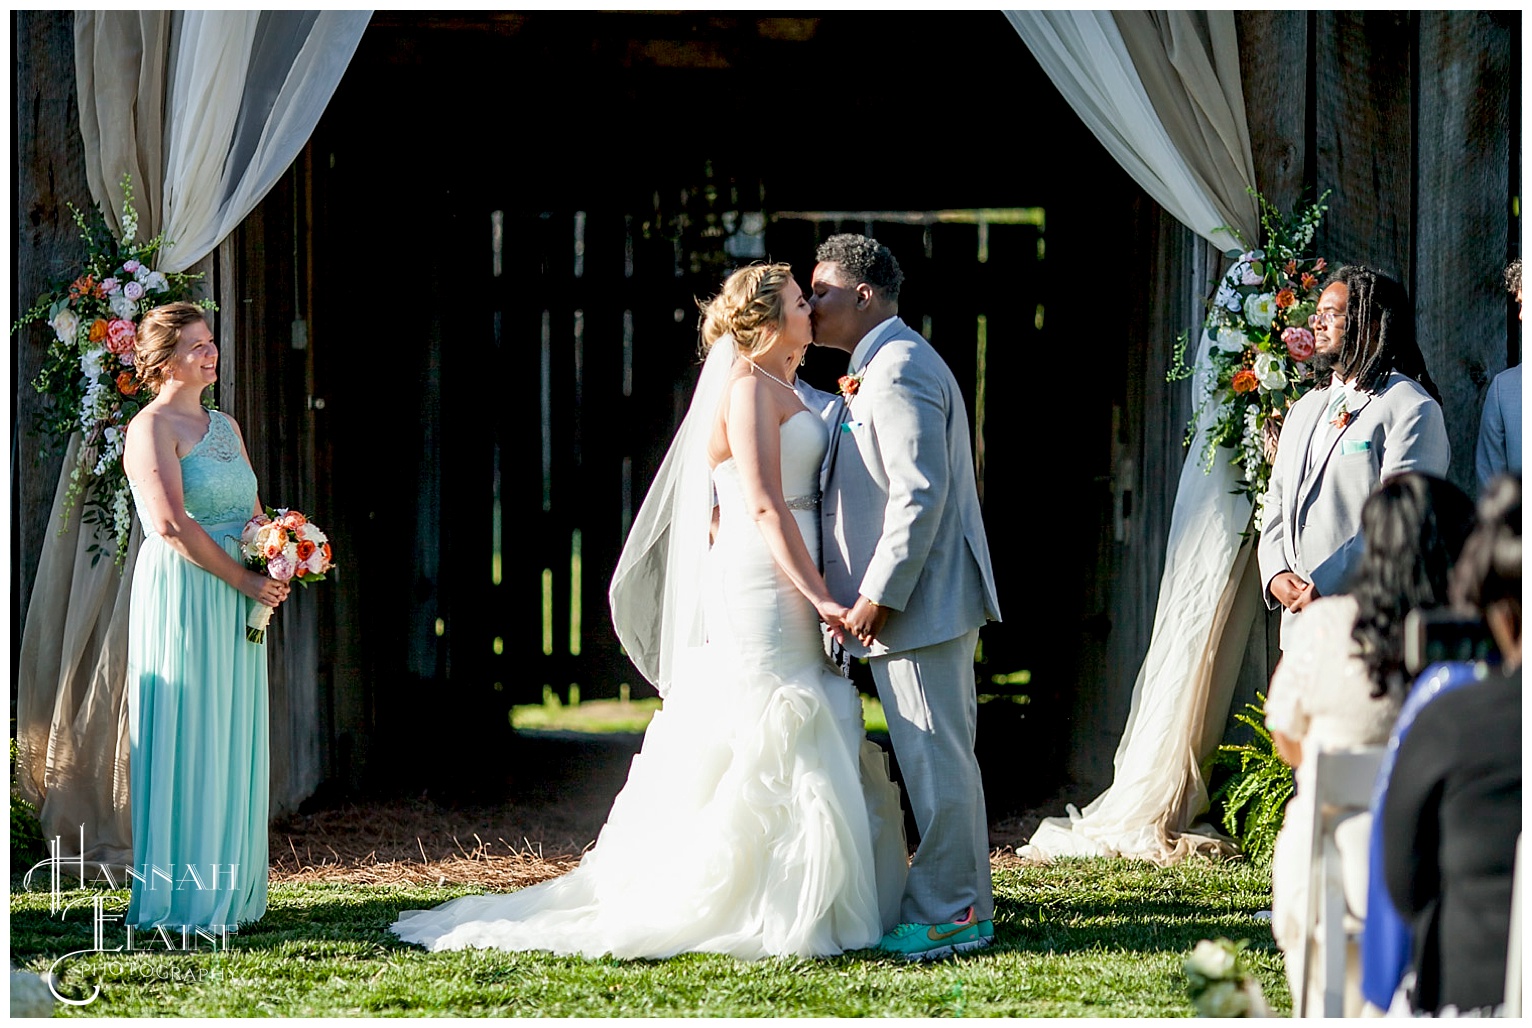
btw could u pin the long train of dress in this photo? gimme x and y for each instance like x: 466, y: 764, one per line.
x: 756, y: 820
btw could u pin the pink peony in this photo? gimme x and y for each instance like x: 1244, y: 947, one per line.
x: 133, y: 290
x: 280, y: 568
x: 130, y: 266
x: 252, y: 526
x: 1300, y: 343
x: 315, y: 565
x: 120, y: 335
x: 110, y: 286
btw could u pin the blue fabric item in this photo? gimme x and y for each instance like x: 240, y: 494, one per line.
x: 1387, y: 938
x: 197, y: 713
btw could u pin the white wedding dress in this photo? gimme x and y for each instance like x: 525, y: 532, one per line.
x: 757, y: 820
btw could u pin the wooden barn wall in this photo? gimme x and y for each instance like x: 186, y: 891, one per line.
x: 49, y: 170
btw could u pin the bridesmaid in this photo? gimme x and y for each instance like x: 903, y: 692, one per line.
x: 197, y: 705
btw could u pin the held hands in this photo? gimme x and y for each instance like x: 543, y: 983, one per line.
x: 833, y: 615
x: 266, y: 591
x: 865, y: 620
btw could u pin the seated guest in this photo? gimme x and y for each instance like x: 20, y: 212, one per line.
x: 1499, y: 448
x: 1452, y: 812
x: 1342, y: 675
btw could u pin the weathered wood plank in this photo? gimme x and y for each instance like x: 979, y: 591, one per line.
x: 1363, y: 143
x: 1272, y: 45
x: 49, y: 170
x: 1463, y: 231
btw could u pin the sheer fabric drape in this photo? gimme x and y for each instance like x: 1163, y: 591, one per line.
x: 205, y: 110
x: 1161, y: 91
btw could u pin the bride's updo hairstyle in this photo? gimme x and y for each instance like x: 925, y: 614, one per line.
x: 750, y: 307
x: 159, y: 333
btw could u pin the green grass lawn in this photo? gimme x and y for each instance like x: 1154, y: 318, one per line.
x: 1078, y: 938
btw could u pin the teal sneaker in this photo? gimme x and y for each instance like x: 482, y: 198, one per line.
x: 935, y: 941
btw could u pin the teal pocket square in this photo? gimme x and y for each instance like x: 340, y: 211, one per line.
x: 1355, y: 446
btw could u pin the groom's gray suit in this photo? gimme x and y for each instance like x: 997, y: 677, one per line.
x: 1314, y: 501
x: 902, y: 527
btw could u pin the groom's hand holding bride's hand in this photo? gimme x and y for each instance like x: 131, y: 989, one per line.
x: 865, y: 620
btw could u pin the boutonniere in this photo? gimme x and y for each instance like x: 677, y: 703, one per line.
x: 1342, y: 417
x: 849, y: 384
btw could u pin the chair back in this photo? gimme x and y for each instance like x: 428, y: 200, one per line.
x: 1343, y: 782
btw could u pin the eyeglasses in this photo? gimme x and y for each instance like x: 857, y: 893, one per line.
x: 1326, y: 319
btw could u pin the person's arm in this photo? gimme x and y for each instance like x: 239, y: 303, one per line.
x: 1490, y: 452
x: 1279, y: 585
x: 1416, y: 440
x: 149, y: 456
x: 755, y: 440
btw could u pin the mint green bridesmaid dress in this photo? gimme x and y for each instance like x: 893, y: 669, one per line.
x: 197, y: 713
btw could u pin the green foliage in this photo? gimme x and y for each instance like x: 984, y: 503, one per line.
x: 1076, y: 938
x: 1259, y: 788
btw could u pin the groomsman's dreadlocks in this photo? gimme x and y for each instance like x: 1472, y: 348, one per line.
x: 1379, y: 336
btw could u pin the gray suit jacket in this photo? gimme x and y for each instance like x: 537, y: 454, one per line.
x: 900, y: 510
x: 1313, y: 522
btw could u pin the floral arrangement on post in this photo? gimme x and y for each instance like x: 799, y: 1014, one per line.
x: 285, y: 545
x: 1258, y: 321
x: 88, y: 370
x: 1219, y: 984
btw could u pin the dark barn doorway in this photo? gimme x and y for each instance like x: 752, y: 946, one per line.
x: 513, y: 215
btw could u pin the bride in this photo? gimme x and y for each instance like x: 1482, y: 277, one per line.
x: 756, y: 820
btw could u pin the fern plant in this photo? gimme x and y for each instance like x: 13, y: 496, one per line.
x: 1256, y: 794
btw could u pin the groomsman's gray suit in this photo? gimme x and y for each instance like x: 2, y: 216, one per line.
x: 1313, y: 520
x: 1499, y: 447
x: 902, y: 527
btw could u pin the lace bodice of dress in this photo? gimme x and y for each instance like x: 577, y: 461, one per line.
x: 217, y: 484
x: 804, y: 440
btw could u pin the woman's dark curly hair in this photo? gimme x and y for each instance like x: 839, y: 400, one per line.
x: 1489, y: 570
x: 1379, y: 336
x: 1413, y: 528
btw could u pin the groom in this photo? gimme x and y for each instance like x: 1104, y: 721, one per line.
x: 904, y: 547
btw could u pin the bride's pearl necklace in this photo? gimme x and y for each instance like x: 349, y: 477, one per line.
x: 778, y: 381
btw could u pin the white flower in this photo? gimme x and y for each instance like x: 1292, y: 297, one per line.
x: 123, y: 307
x: 90, y: 363
x: 1271, y: 371
x: 66, y: 325
x: 1211, y: 960
x: 1223, y: 999
x: 308, y: 533
x: 1229, y: 339
x: 1261, y: 309
x: 290, y: 551
x: 1250, y: 277
x: 1228, y: 298
x: 142, y: 272
x: 156, y: 282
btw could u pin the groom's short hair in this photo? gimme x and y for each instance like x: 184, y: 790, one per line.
x: 864, y: 259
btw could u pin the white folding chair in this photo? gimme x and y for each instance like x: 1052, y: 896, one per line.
x: 1343, y: 780
x: 1513, y: 968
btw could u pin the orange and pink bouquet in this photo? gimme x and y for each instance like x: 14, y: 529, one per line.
x: 285, y: 545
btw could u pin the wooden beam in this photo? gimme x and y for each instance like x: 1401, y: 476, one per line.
x: 1273, y: 47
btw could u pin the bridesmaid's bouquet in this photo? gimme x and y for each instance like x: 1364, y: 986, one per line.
x: 285, y: 545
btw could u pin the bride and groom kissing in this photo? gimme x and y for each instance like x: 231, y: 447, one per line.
x: 757, y: 820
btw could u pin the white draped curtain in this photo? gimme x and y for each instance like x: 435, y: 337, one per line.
x: 205, y: 110
x: 1161, y: 91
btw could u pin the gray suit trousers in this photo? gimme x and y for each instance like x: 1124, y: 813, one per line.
x: 930, y: 702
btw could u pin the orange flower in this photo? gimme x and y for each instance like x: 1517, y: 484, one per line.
x: 292, y: 519
x: 85, y: 285
x: 1308, y: 281
x: 327, y: 557
x: 1285, y: 299
x: 305, y: 549
x: 127, y: 385
x: 1319, y: 265
x: 1245, y: 381
x: 1290, y: 268
x: 849, y: 384
x: 98, y: 330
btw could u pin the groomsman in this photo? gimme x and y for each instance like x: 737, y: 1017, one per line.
x: 904, y: 547
x: 1374, y: 414
x: 1499, y: 448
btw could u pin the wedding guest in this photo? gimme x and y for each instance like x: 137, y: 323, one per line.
x: 1452, y: 812
x: 197, y: 705
x: 1374, y: 413
x: 1499, y: 448
x: 1342, y: 677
